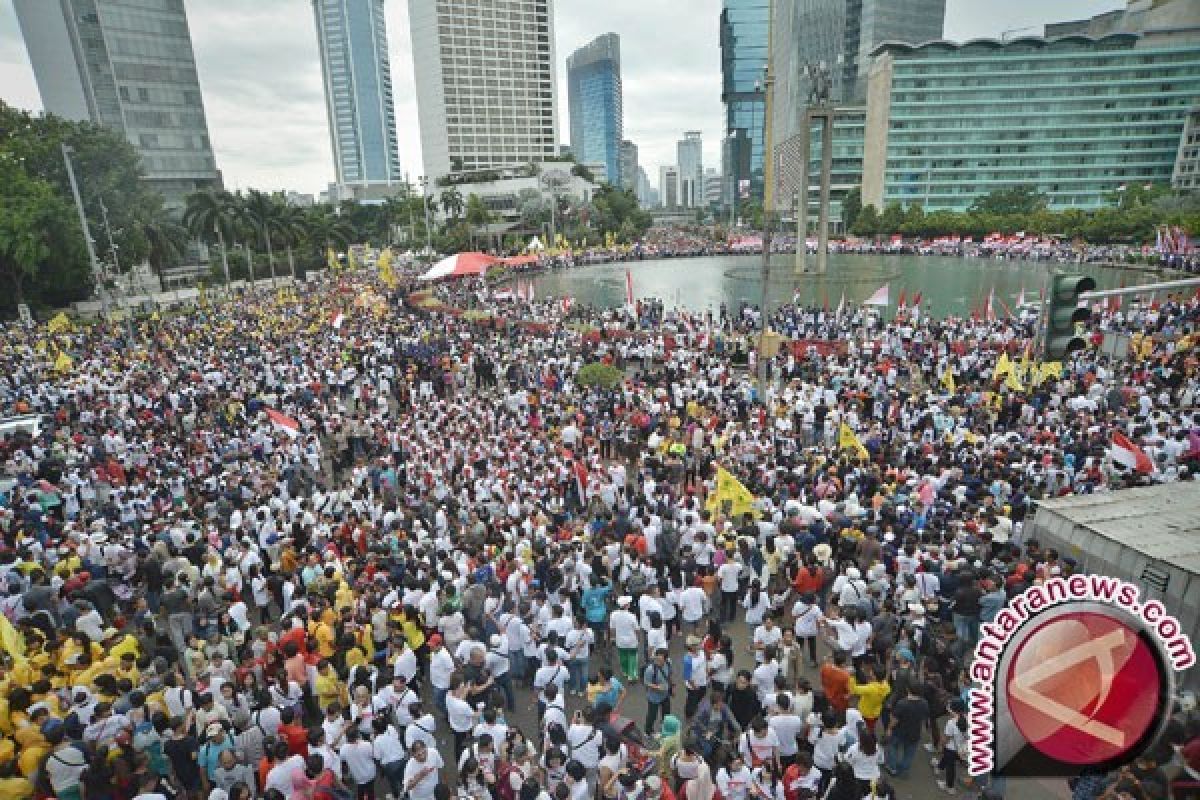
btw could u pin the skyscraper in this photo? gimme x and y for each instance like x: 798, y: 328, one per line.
x: 910, y: 21
x: 668, y: 186
x: 130, y: 67
x: 690, y: 155
x: 745, y: 34
x: 629, y: 165
x: 352, y: 38
x: 486, y: 89
x: 594, y: 103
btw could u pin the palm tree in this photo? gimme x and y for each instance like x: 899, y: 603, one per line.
x: 478, y: 215
x: 262, y: 210
x: 289, y: 226
x: 212, y: 214
x: 326, y: 229
x: 452, y: 202
x: 167, y: 242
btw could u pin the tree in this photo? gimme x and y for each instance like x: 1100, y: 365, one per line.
x: 326, y: 231
x: 209, y: 216
x: 38, y: 231
x: 580, y: 171
x: 452, y: 202
x: 1014, y: 200
x: 866, y: 223
x: 851, y: 206
x: 478, y: 215
x: 289, y: 227
x: 167, y: 241
x: 892, y: 218
x: 262, y: 210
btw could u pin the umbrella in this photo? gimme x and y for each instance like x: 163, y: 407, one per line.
x: 460, y: 265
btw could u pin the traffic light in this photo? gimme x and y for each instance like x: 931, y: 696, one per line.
x: 1064, y: 314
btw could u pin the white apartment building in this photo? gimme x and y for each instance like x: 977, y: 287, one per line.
x: 486, y: 88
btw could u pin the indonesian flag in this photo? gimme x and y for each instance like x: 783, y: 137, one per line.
x: 628, y: 287
x: 1129, y: 455
x: 989, y: 310
x: 916, y: 301
x: 337, y: 319
x: 842, y: 303
x: 900, y: 303
x: 1021, y: 297
x: 581, y: 480
x: 879, y: 298
x: 283, y: 423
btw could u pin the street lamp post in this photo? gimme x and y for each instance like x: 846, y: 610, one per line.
x: 768, y: 80
x: 424, y: 181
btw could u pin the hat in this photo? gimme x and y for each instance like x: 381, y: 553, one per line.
x: 916, y: 608
x: 654, y: 783
x: 693, y: 641
x: 435, y: 640
x: 213, y: 729
x: 624, y: 600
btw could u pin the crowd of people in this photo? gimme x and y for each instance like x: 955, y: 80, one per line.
x: 251, y: 552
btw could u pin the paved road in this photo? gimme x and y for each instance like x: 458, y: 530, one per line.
x: 919, y: 786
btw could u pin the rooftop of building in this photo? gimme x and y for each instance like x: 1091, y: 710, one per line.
x: 1112, y: 40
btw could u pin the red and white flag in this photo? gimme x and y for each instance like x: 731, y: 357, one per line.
x: 989, y: 311
x: 337, y: 319
x: 900, y: 303
x: 283, y: 423
x: 842, y: 303
x: 879, y: 298
x: 1021, y: 297
x: 1129, y: 455
x: 628, y: 287
x: 916, y: 301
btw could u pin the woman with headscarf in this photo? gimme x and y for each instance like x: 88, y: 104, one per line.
x: 670, y: 740
x: 700, y: 787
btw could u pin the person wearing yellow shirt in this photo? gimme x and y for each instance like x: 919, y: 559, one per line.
x: 326, y: 639
x: 125, y: 644
x: 328, y: 687
x: 344, y: 598
x: 871, y: 694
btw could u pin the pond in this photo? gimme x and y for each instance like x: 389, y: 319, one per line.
x: 949, y: 286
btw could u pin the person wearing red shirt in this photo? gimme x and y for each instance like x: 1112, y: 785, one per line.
x: 835, y: 680
x: 293, y: 733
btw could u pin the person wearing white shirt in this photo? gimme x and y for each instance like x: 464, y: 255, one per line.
x: 421, y: 773
x: 441, y: 667
x: 579, y: 643
x: 766, y: 635
x: 280, y: 776
x: 554, y: 672
x: 734, y: 779
x: 760, y: 745
x: 786, y: 726
x: 459, y: 714
x: 624, y: 626
x: 358, y: 756
x: 729, y: 577
x: 693, y: 603
x: 421, y: 729
x: 807, y: 618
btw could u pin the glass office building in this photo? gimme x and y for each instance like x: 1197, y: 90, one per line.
x: 1074, y: 117
x: 127, y: 65
x: 594, y: 103
x: 352, y: 37
x: 745, y: 43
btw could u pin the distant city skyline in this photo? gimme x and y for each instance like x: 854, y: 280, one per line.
x: 266, y: 113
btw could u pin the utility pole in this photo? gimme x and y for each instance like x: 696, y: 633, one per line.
x: 768, y: 203
x: 98, y: 273
x: 97, y: 270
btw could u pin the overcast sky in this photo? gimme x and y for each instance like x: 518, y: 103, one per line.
x: 259, y: 71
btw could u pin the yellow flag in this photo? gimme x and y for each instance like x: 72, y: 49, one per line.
x: 155, y: 317
x: 63, y: 362
x: 847, y: 440
x: 1051, y: 369
x: 331, y: 260
x: 1012, y: 382
x: 61, y: 323
x: 948, y: 380
x: 730, y: 496
x: 12, y: 641
x: 1003, y: 367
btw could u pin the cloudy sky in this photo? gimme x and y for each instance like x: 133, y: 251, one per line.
x: 259, y: 71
